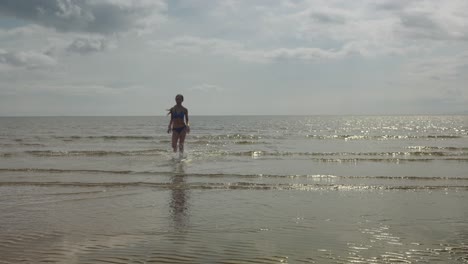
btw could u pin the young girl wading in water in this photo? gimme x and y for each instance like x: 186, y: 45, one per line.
x: 179, y: 124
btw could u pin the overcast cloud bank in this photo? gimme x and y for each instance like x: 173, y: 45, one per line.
x: 290, y: 57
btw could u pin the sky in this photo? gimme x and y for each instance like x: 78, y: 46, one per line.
x: 233, y: 57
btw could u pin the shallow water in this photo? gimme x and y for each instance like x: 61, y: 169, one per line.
x: 250, y: 190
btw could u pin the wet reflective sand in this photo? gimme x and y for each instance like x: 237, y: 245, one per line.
x: 181, y: 224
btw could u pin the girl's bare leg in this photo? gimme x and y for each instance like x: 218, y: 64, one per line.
x: 175, y: 136
x: 182, y: 135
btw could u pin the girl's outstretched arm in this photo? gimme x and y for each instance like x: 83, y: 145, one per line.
x: 187, y: 121
x: 170, y: 122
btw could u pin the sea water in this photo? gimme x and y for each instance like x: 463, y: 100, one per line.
x: 248, y: 189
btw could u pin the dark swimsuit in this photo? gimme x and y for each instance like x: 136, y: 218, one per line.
x: 180, y: 115
x: 179, y: 129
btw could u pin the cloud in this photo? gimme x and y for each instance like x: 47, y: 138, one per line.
x: 196, y: 44
x: 88, y: 89
x: 206, y: 88
x: 29, y: 59
x: 392, y: 5
x: 325, y: 15
x: 388, y: 26
x: 89, y: 45
x: 441, y: 68
x: 418, y: 25
x: 428, y: 20
x: 23, y: 31
x: 54, y: 44
x: 68, y: 88
x: 309, y: 30
x: 326, y: 18
x: 27, y: 37
x: 92, y: 16
x: 190, y: 44
x: 308, y: 54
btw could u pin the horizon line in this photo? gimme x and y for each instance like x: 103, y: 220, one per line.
x: 202, y: 115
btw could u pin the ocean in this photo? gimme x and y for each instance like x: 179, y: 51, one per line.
x: 249, y: 189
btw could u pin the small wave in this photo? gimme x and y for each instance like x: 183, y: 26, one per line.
x: 393, y: 160
x: 409, y: 178
x: 420, y: 148
x: 106, y: 137
x: 230, y: 175
x: 355, y: 156
x: 381, y: 137
x: 39, y: 170
x: 377, y: 154
x: 423, y: 153
x: 219, y: 142
x: 197, y: 142
x: 245, y: 142
x: 229, y: 137
x: 444, y: 136
x: 21, y: 142
x: 236, y: 186
x: 51, y: 153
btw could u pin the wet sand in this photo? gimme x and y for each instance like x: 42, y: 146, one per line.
x: 181, y: 224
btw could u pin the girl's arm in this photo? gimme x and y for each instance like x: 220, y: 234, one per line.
x: 187, y: 120
x: 170, y: 123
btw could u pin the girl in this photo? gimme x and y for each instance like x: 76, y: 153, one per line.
x: 179, y: 124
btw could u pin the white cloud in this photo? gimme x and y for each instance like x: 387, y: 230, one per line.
x: 90, y: 45
x: 29, y: 59
x: 88, y: 89
x: 305, y: 30
x: 390, y: 27
x: 196, y: 44
x: 429, y: 20
x: 68, y: 89
x: 317, y: 50
x: 439, y: 80
x: 23, y: 31
x: 304, y: 54
x: 206, y: 88
x: 442, y: 68
x: 190, y: 44
x: 93, y: 16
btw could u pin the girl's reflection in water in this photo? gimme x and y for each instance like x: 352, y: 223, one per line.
x: 179, y: 197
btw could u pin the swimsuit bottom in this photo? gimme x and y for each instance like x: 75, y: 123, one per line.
x: 179, y: 129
